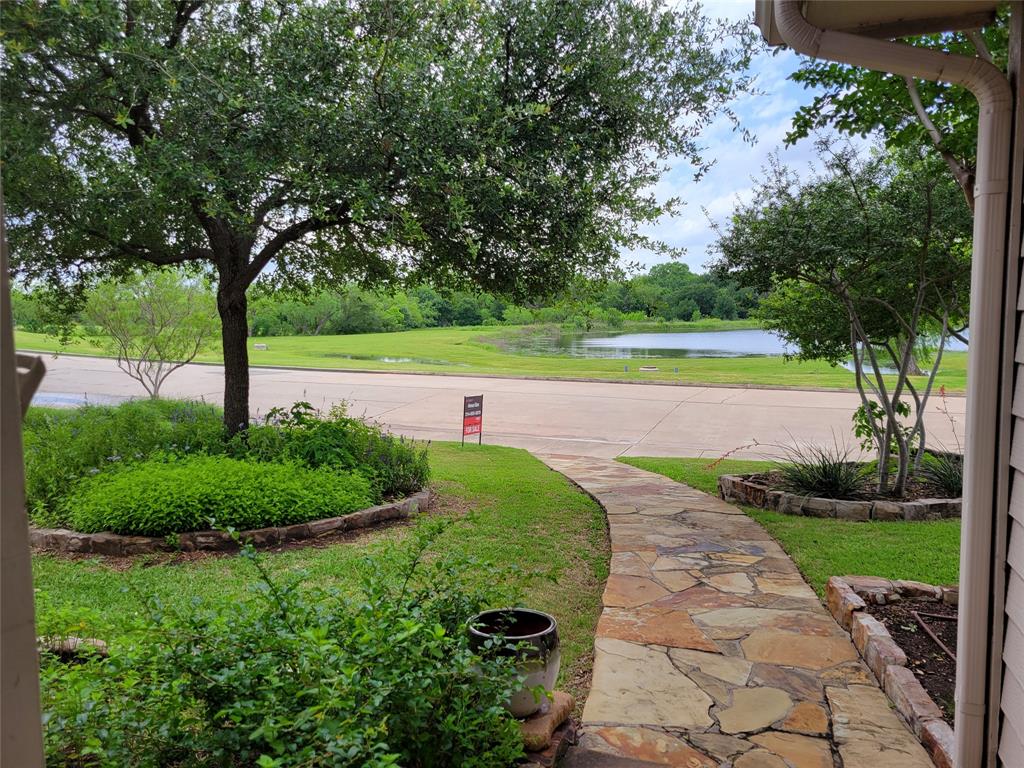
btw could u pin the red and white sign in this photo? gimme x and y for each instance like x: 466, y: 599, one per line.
x: 473, y: 417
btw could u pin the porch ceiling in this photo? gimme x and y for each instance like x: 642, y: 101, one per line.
x: 883, y: 18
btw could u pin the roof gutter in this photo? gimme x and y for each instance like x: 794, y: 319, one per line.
x: 995, y: 101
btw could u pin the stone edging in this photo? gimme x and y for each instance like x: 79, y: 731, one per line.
x: 847, y: 597
x: 106, y: 543
x: 752, y: 490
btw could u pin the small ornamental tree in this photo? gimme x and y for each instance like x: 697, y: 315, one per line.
x: 152, y: 323
x: 509, y: 144
x: 869, y: 262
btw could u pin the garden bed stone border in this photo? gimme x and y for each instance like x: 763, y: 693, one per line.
x: 753, y: 491
x: 107, y: 543
x: 847, y: 597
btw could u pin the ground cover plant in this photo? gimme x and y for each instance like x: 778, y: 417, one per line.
x: 160, y: 467
x: 544, y: 536
x: 64, y: 446
x: 485, y: 350
x: 919, y: 550
x: 300, y: 677
x: 162, y: 496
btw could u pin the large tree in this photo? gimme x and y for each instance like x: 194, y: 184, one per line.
x: 510, y: 144
x: 907, y: 112
x: 870, y: 262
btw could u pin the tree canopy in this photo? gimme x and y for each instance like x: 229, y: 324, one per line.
x: 508, y: 144
x: 867, y: 261
x: 906, y: 112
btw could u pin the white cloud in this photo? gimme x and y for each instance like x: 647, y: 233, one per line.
x: 767, y: 115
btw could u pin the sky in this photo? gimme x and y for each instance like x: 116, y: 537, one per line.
x: 767, y: 116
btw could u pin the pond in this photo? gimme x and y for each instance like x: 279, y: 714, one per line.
x: 658, y: 344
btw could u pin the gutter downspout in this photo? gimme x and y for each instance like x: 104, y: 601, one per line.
x: 995, y: 102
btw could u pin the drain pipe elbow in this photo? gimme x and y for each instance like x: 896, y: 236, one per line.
x: 985, y: 419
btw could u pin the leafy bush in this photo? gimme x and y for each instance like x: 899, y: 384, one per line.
x: 944, y: 472
x: 167, y: 495
x: 299, y: 678
x: 62, y: 447
x: 823, y: 471
x: 395, y: 465
x: 130, y: 449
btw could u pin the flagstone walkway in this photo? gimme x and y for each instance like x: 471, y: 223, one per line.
x: 712, y: 651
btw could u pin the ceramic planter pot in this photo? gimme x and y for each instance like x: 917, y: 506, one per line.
x: 532, y: 638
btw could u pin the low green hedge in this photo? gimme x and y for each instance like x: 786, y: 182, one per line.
x: 147, y: 466
x: 64, y: 446
x: 169, y: 495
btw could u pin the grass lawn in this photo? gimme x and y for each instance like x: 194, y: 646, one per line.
x: 922, y: 551
x: 511, y: 509
x: 478, y: 350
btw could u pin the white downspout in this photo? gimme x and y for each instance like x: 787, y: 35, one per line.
x: 995, y: 102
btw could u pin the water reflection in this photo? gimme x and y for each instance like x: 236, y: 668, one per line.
x: 658, y: 344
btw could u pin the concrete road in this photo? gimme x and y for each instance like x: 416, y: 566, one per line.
x: 583, y: 418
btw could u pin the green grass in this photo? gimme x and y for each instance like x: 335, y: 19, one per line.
x: 480, y: 351
x: 512, y: 510
x: 922, y: 551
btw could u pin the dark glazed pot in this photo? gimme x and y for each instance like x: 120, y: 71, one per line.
x: 530, y: 636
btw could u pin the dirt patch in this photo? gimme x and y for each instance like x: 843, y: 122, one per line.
x: 925, y: 657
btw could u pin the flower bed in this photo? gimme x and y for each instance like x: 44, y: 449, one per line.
x: 107, y: 543
x: 157, y: 475
x: 756, y: 490
x: 848, y: 599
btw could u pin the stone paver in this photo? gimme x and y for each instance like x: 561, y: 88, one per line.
x: 711, y: 650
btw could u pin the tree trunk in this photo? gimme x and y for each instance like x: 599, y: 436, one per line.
x: 232, y: 306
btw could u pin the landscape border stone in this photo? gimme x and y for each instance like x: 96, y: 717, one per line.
x: 113, y: 544
x: 847, y: 598
x: 753, y: 490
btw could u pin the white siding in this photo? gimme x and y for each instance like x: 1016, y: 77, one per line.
x: 1011, y: 686
x: 1011, y: 746
x: 1011, y: 732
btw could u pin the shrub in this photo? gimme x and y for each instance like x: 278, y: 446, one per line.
x: 62, y: 447
x: 396, y: 466
x: 66, y: 448
x: 299, y: 678
x: 944, y: 472
x: 823, y: 471
x: 167, y: 495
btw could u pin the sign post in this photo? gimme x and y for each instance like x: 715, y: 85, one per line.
x: 473, y: 418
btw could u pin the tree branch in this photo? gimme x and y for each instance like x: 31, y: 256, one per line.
x: 338, y: 216
x: 964, y: 176
x: 182, y: 14
x: 974, y: 35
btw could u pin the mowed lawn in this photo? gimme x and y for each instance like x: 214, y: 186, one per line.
x: 509, y: 509
x: 480, y: 351
x: 922, y: 551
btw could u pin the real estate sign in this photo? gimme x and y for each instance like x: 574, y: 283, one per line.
x: 473, y: 417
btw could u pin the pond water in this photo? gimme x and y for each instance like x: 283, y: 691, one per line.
x: 658, y: 344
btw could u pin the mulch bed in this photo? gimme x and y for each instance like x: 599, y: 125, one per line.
x: 925, y: 658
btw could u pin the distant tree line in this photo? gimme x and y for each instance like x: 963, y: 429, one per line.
x: 669, y: 292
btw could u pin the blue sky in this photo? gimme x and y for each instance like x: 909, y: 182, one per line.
x: 767, y: 116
